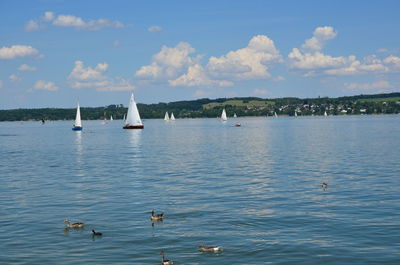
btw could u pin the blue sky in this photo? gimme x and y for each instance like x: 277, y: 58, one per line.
x: 54, y: 53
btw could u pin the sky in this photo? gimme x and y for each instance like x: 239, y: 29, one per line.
x: 54, y: 53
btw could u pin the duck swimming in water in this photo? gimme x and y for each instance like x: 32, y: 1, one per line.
x: 157, y: 217
x: 324, y: 186
x: 210, y: 249
x: 96, y: 233
x: 74, y: 225
x: 165, y: 261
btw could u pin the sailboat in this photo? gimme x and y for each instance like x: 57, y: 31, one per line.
x: 295, y: 113
x: 234, y: 115
x: 325, y: 114
x: 111, y: 118
x: 166, y: 117
x: 223, y: 115
x: 133, y: 120
x: 78, y: 123
x: 172, y: 116
x: 276, y: 115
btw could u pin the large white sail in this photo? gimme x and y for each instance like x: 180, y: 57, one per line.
x: 133, y: 117
x: 223, y: 115
x: 166, y: 117
x: 172, y: 116
x: 78, y: 122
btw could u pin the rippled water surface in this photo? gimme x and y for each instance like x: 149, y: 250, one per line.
x: 255, y: 190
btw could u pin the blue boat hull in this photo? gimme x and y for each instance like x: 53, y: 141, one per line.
x: 77, y: 128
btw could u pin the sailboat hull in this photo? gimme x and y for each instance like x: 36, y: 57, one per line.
x: 77, y: 128
x: 133, y: 127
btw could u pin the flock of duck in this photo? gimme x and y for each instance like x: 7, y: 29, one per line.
x: 154, y: 218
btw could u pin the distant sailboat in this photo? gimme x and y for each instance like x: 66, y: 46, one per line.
x: 166, y: 117
x: 123, y: 118
x: 133, y: 120
x: 78, y: 123
x: 111, y: 118
x: 295, y: 113
x: 234, y: 115
x: 325, y: 114
x: 172, y: 116
x: 276, y: 115
x: 223, y: 115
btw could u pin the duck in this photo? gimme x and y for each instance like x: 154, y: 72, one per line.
x: 157, y: 217
x: 96, y: 233
x: 210, y: 249
x: 165, y: 261
x: 74, y: 225
x: 324, y: 185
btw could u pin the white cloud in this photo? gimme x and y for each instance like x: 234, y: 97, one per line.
x: 16, y: 51
x: 79, y: 23
x: 155, y: 29
x: 393, y: 62
x: 71, y: 21
x: 14, y: 78
x: 25, y: 67
x: 313, y: 61
x: 279, y: 78
x: 251, y: 62
x: 169, y: 62
x: 197, y: 77
x: 88, y: 77
x: 48, y: 16
x: 33, y: 25
x: 368, y: 86
x: 43, y: 85
x: 317, y: 42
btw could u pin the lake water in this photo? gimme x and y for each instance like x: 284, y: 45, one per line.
x: 255, y: 190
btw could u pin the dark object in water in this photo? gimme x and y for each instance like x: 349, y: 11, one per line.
x: 96, y: 233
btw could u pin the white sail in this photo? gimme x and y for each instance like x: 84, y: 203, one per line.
x: 295, y: 113
x: 123, y: 118
x: 133, y: 117
x: 166, y: 117
x: 111, y: 118
x: 276, y: 115
x: 325, y: 114
x: 78, y: 122
x: 234, y: 115
x: 172, y: 116
x: 223, y: 115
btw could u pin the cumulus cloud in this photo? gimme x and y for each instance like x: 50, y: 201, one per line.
x: 320, y: 36
x: 25, y: 67
x: 71, y: 21
x: 169, y: 62
x: 368, y: 86
x: 88, y: 77
x: 197, y: 77
x: 16, y: 51
x: 43, y: 85
x: 155, y: 29
x: 251, y: 62
x: 312, y: 61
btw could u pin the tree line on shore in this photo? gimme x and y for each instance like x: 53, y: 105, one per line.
x: 211, y: 108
